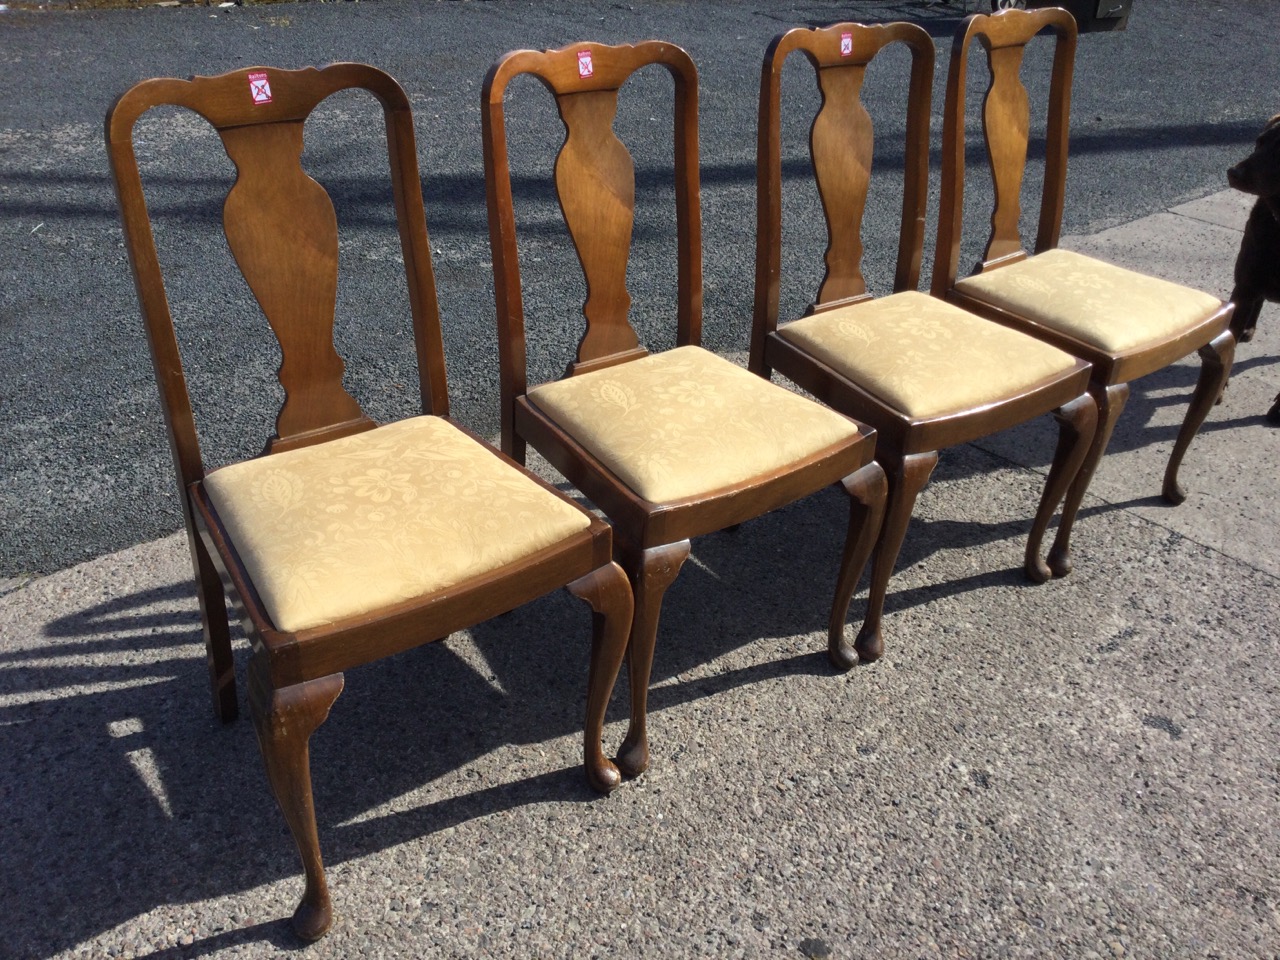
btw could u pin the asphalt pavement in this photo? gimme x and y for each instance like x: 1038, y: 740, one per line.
x: 1086, y: 768
x: 1160, y: 111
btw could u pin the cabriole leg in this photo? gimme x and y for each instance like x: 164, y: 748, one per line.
x: 868, y: 490
x: 1215, y: 367
x: 907, y: 477
x: 608, y: 592
x: 651, y: 571
x: 285, y: 718
x: 1077, y: 423
x: 1111, y: 401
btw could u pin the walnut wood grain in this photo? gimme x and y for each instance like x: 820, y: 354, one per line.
x: 841, y: 142
x: 607, y: 591
x: 281, y: 228
x: 595, y: 182
x: 907, y: 476
x: 1006, y: 133
x: 594, y: 179
x: 1006, y: 118
x: 652, y: 570
x: 1077, y: 423
x: 283, y: 233
x: 868, y: 492
x: 1003, y: 38
x: 841, y: 163
x: 841, y: 150
x: 1215, y: 366
x: 284, y: 719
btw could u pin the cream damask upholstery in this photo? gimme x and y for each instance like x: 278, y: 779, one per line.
x: 1114, y: 309
x: 341, y: 528
x: 685, y: 422
x: 923, y: 356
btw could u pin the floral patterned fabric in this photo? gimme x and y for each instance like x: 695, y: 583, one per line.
x: 353, y: 525
x: 923, y: 356
x: 685, y: 422
x: 1114, y: 309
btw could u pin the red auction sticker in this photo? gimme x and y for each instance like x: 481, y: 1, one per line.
x: 585, y: 68
x: 846, y: 44
x: 259, y: 88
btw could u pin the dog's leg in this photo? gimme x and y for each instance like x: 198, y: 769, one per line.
x: 1245, y: 320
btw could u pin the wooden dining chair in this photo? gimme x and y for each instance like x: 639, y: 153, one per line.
x: 344, y: 541
x: 669, y: 445
x: 925, y: 374
x: 1126, y: 324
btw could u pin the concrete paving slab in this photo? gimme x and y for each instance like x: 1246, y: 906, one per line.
x: 1227, y: 208
x: 1180, y: 248
x: 1081, y: 769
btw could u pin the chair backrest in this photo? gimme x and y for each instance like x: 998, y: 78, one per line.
x: 595, y: 184
x: 1006, y: 125
x: 841, y: 142
x: 282, y: 230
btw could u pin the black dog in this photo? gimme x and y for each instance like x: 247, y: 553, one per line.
x: 1257, y: 273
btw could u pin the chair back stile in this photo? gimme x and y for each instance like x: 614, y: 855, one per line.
x: 841, y: 141
x: 595, y: 185
x: 1006, y: 122
x: 282, y: 231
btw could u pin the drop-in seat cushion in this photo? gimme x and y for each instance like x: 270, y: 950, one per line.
x: 685, y: 422
x: 1111, y: 308
x: 342, y: 528
x: 923, y: 356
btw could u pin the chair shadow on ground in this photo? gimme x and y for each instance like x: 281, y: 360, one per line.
x: 132, y: 797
